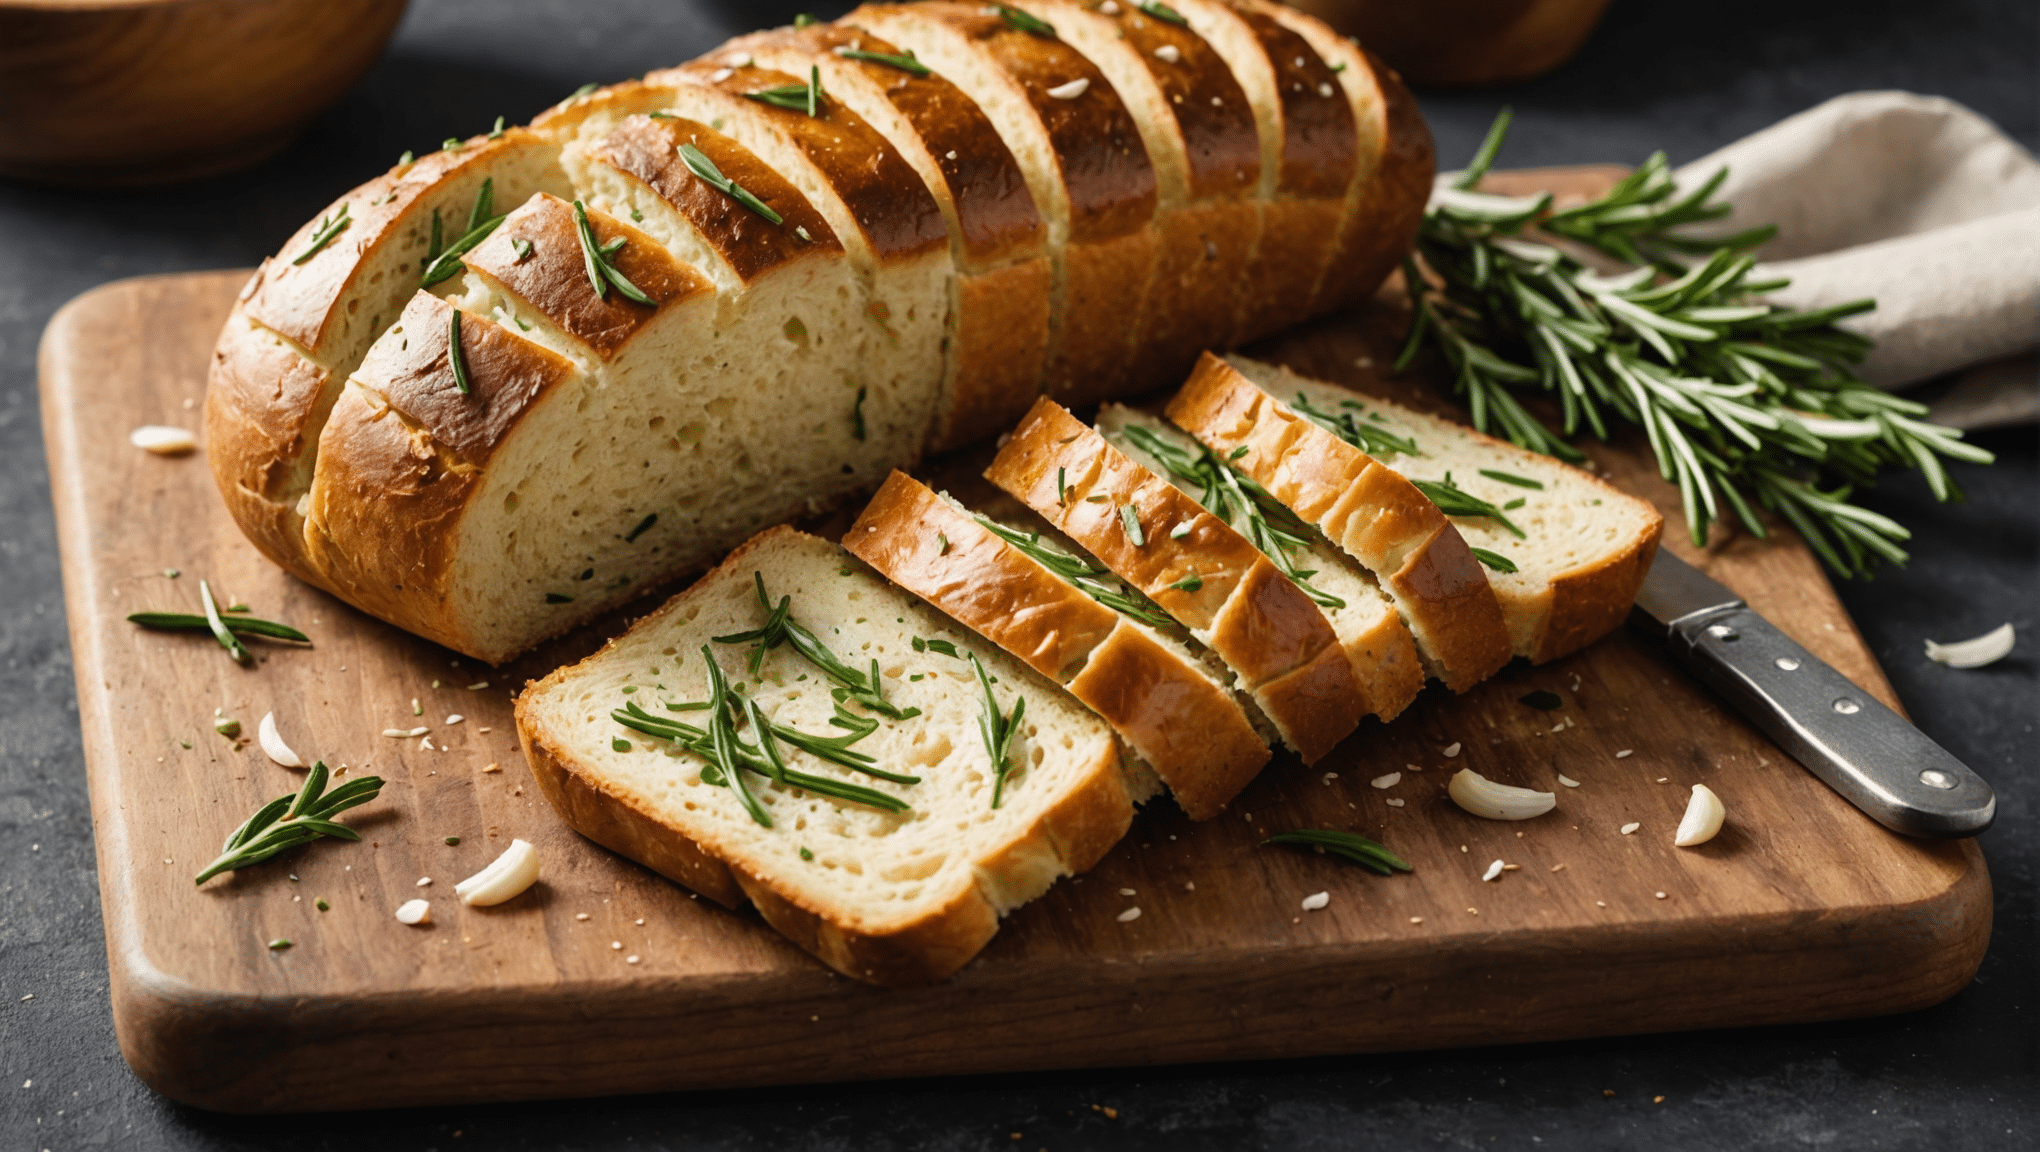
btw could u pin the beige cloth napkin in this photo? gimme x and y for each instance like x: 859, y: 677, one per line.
x: 1916, y: 201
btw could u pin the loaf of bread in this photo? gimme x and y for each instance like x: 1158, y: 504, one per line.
x: 902, y: 891
x: 495, y: 391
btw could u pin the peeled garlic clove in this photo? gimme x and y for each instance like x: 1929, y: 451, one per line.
x: 1483, y: 797
x: 512, y: 872
x: 1703, y: 818
x: 163, y: 440
x: 414, y: 912
x: 273, y: 745
x: 1988, y: 648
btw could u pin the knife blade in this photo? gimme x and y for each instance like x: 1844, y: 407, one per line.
x: 1860, y: 748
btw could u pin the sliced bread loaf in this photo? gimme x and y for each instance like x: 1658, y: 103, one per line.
x: 1230, y: 595
x: 1370, y: 511
x: 1000, y: 315
x: 1111, y: 648
x: 1081, y: 152
x: 1565, y: 552
x: 885, y: 880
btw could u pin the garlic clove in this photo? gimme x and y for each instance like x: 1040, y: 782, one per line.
x: 1483, y: 797
x: 1071, y: 90
x: 511, y: 873
x: 163, y: 440
x: 1704, y: 814
x: 1988, y: 648
x: 1316, y: 901
x: 273, y: 745
x: 416, y: 913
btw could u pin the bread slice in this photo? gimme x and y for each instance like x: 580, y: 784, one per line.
x: 1309, y: 156
x: 1392, y: 177
x: 1081, y: 152
x: 1585, y: 545
x: 889, y: 224
x: 1371, y: 512
x: 309, y: 314
x: 1201, y: 137
x: 1281, y: 646
x: 1109, y: 648
x: 887, y: 897
x: 1383, y: 654
x: 999, y: 319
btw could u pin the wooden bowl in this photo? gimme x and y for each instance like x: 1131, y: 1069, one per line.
x: 150, y: 91
x: 1465, y: 42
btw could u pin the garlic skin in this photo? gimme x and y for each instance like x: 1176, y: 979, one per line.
x: 1704, y: 814
x: 1483, y: 797
x: 511, y: 873
x: 1988, y: 648
x: 273, y: 745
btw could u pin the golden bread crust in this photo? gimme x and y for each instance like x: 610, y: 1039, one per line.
x: 1260, y: 623
x: 1378, y: 517
x: 262, y: 415
x: 648, y: 149
x: 1190, y: 729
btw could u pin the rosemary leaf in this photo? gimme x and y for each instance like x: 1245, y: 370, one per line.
x: 328, y: 228
x: 1347, y: 846
x: 186, y: 621
x: 903, y: 61
x: 1494, y: 560
x: 997, y: 729
x: 857, y: 415
x: 1512, y: 478
x: 597, y: 260
x: 643, y: 526
x: 1369, y: 438
x: 1129, y: 519
x: 1453, y: 500
x: 705, y: 170
x: 454, y: 355
x: 1162, y: 12
x: 781, y: 628
x: 1032, y: 25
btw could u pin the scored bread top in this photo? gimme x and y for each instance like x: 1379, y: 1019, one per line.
x: 1196, y: 567
x: 976, y: 175
x: 1379, y: 518
x: 895, y: 214
x: 1152, y: 690
x: 549, y: 271
x: 1106, y: 178
x: 648, y: 149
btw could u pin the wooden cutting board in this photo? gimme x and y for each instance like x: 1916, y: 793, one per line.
x: 606, y: 978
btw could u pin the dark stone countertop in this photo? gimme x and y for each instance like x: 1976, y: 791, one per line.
x: 1686, y: 78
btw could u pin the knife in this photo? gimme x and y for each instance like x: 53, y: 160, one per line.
x: 1863, y: 750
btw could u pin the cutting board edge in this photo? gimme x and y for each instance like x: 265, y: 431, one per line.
x: 1326, y: 1000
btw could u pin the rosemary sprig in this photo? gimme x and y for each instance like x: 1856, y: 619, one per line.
x: 1092, y: 580
x: 722, y: 742
x: 1239, y: 501
x: 794, y: 97
x: 780, y: 627
x: 599, y: 260
x: 705, y: 170
x: 904, y: 61
x: 192, y: 622
x: 220, y: 631
x: 1347, y: 845
x: 328, y: 228
x: 1032, y: 25
x: 482, y: 221
x: 1453, y: 500
x: 291, y: 820
x: 1369, y: 438
x: 1746, y: 404
x: 454, y: 356
x: 997, y: 728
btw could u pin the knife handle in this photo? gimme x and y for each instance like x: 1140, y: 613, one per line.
x: 1863, y: 750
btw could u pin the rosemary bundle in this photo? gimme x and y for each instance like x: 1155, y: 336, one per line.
x: 1746, y: 404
